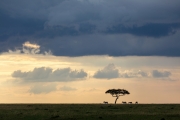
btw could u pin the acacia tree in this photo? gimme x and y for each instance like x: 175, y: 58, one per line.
x: 117, y: 92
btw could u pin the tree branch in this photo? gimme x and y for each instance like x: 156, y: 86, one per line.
x: 121, y: 95
x: 117, y: 95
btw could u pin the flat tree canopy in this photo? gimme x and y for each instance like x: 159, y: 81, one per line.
x: 117, y: 92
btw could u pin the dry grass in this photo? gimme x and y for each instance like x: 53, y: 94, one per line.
x: 89, y: 112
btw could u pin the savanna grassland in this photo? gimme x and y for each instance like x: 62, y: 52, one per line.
x: 89, y: 112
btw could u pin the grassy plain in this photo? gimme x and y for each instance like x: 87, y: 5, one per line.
x: 89, y: 112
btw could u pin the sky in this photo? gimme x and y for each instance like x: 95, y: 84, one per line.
x: 72, y: 51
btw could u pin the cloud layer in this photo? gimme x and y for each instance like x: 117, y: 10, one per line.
x: 28, y: 48
x: 46, y: 74
x: 159, y: 74
x: 48, y: 88
x: 66, y: 88
x: 79, y: 27
x: 110, y: 72
x: 39, y: 89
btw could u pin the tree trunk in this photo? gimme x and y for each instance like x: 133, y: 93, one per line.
x: 116, y: 99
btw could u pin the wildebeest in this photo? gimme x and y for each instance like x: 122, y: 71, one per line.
x: 123, y: 102
x: 105, y: 102
x: 130, y: 102
x: 136, y: 102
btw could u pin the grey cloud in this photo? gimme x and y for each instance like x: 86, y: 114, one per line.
x: 48, y: 88
x: 38, y: 73
x: 66, y: 88
x: 101, y: 14
x: 78, y: 74
x: 73, y: 12
x: 142, y: 73
x: 121, y: 28
x: 150, y: 30
x: 160, y: 74
x: 115, y: 45
x: 109, y: 13
x: 91, y: 90
x: 134, y: 74
x: 125, y: 75
x: 108, y: 72
x: 39, y: 89
x: 37, y: 9
x: 76, y: 10
x: 46, y: 74
x: 68, y: 73
x: 87, y: 28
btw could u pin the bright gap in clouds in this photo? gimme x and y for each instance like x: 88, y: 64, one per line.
x: 30, y: 45
x: 29, y: 48
x: 39, y: 78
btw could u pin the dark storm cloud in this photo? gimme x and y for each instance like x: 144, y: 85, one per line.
x: 64, y: 26
x: 115, y: 45
x: 150, y: 30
